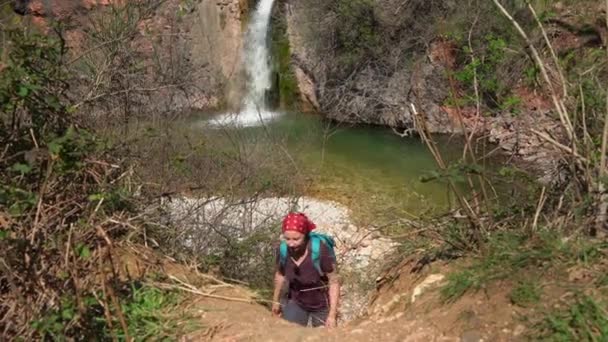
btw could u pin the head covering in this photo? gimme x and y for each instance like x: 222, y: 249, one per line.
x: 297, y: 222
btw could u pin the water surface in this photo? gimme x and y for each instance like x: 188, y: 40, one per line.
x: 362, y: 166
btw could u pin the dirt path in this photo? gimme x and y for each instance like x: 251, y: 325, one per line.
x: 234, y: 321
x: 406, y: 308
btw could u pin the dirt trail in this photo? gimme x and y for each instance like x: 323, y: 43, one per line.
x: 393, y: 315
x: 234, y: 321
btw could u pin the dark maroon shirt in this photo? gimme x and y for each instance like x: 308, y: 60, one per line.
x: 307, y: 287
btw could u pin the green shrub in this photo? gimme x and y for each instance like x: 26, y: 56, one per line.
x: 281, y: 52
x: 585, y: 319
x: 252, y: 259
x: 357, y: 34
x: 153, y: 313
x: 516, y: 252
x: 526, y: 293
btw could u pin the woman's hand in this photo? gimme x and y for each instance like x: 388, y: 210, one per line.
x: 334, y: 298
x: 330, y: 322
x: 279, y: 281
x: 276, y: 309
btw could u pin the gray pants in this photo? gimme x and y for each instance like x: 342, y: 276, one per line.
x: 292, y: 312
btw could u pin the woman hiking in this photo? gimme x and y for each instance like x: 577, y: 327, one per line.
x: 307, y: 263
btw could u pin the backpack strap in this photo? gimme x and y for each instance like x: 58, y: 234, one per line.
x: 283, y: 253
x: 316, y: 240
x: 315, y: 248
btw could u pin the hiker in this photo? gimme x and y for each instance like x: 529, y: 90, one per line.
x: 307, y: 263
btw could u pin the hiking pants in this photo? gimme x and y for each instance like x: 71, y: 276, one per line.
x: 292, y: 312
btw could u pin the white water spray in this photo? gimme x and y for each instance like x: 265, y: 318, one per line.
x: 257, y: 67
x: 256, y: 57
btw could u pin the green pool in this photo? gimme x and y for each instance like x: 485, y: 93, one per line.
x: 369, y: 168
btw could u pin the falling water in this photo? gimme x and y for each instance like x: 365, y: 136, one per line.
x: 254, y: 111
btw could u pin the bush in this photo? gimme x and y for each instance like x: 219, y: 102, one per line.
x: 61, y: 203
x: 357, y: 35
x: 252, y: 260
x: 584, y: 319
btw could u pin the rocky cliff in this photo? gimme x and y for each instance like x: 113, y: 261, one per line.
x: 360, y: 61
x: 181, y: 54
x: 367, y: 61
x: 217, y: 43
x: 461, y: 64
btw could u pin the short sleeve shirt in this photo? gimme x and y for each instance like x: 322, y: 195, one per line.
x: 307, y: 287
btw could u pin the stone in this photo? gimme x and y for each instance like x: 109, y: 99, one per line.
x: 431, y: 280
x: 471, y: 336
x: 519, y: 329
x: 308, y: 92
x: 395, y: 316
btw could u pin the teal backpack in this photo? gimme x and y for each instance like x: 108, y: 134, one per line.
x: 316, y: 239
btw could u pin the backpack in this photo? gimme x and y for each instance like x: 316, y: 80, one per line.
x: 316, y: 239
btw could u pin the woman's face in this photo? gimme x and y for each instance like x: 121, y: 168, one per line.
x: 294, y: 239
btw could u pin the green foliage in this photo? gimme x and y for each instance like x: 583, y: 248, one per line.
x: 34, y: 121
x: 356, y: 35
x: 586, y: 70
x: 489, y: 57
x: 9, y: 20
x: 21, y: 168
x: 518, y: 194
x: 486, y: 16
x: 490, y: 51
x: 458, y: 237
x: 485, y: 65
x: 31, y: 81
x: 583, y: 320
x: 593, y: 97
x: 458, y: 283
x: 53, y: 324
x: 48, y: 167
x: 70, y: 149
x: 511, y: 104
x: 526, y: 293
x: 18, y: 201
x: 66, y: 320
x: 152, y: 313
x: 252, y: 259
x: 281, y: 52
x: 83, y: 251
x: 189, y: 6
x: 531, y: 75
x: 509, y: 253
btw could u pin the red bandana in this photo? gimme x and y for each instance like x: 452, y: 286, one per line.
x: 298, y: 222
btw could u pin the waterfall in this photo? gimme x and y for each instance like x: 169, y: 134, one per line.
x: 257, y: 67
x: 256, y: 57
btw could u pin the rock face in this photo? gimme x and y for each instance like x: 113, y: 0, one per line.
x: 307, y: 88
x: 190, y: 52
x: 378, y: 90
x: 369, y: 61
x: 217, y: 29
